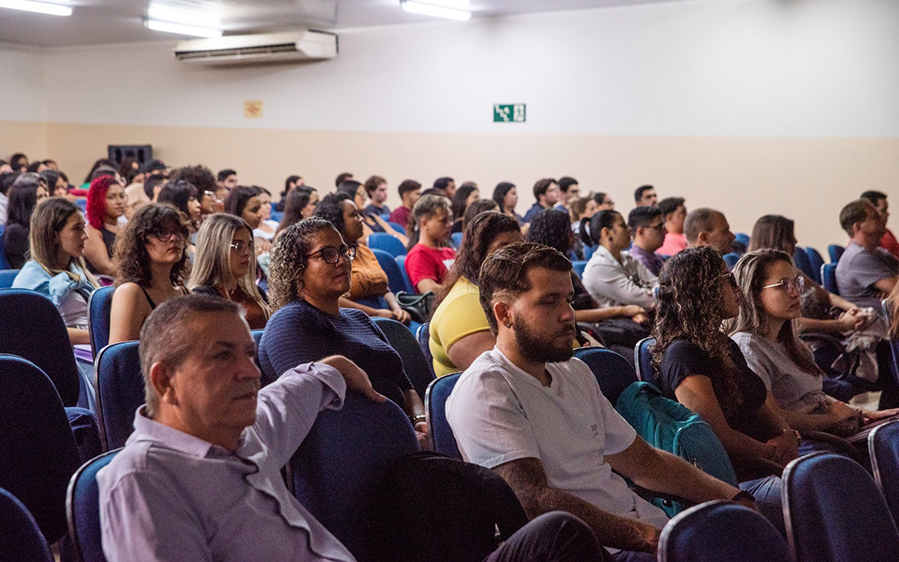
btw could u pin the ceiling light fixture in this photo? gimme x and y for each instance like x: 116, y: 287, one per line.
x: 181, y: 29
x: 436, y: 11
x: 39, y: 7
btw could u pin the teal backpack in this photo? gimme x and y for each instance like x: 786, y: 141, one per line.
x: 669, y: 426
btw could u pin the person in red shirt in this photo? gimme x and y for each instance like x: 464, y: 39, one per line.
x: 879, y: 200
x: 430, y: 255
x: 409, y: 190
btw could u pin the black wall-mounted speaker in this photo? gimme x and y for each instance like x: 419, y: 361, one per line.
x: 141, y: 152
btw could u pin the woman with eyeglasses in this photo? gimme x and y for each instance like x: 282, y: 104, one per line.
x: 224, y: 266
x: 151, y: 264
x: 26, y: 192
x: 700, y: 367
x: 765, y: 332
x: 369, y: 290
x: 311, y: 269
x: 105, y: 204
x: 612, y: 276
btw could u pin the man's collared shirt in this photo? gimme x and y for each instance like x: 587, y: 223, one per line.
x: 170, y: 496
x: 650, y: 260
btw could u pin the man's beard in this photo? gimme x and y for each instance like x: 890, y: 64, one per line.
x: 535, y: 348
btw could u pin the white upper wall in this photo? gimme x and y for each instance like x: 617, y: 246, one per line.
x: 768, y: 68
x: 22, y: 84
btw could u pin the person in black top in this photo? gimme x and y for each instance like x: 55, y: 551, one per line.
x: 26, y: 192
x: 703, y: 369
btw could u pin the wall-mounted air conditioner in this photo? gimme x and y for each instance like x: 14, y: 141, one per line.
x: 305, y: 45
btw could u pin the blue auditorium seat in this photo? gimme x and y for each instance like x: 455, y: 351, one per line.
x: 441, y: 435
x: 83, y: 509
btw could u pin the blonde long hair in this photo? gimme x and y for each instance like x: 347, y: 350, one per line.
x: 212, y: 259
x: 47, y: 221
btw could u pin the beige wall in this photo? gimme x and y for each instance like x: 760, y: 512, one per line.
x: 808, y: 179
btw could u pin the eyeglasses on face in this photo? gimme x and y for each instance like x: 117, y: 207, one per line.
x: 660, y: 227
x: 167, y: 235
x: 731, y: 280
x: 240, y: 247
x: 332, y: 255
x: 795, y: 286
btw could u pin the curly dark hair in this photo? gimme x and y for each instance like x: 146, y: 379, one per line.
x: 551, y: 228
x: 199, y: 176
x: 331, y: 209
x: 690, y: 307
x: 130, y: 257
x: 480, y: 233
x: 288, y: 260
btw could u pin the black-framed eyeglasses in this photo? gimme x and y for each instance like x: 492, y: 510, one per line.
x: 167, y: 235
x: 332, y: 255
x: 796, y: 285
x: 240, y: 246
x: 729, y: 276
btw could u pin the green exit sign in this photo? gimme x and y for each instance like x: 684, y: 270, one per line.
x: 508, y: 113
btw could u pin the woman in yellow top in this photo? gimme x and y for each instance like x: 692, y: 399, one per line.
x: 369, y: 290
x: 459, y: 332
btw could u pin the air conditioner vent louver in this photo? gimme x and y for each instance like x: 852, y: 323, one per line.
x: 304, y: 45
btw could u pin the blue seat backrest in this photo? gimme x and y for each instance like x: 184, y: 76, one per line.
x: 7, y: 276
x: 38, y: 453
x: 643, y: 360
x: 39, y: 335
x: 883, y: 446
x: 816, y: 261
x: 442, y: 439
x: 829, y: 278
x: 731, y: 259
x: 404, y: 342
x: 397, y: 226
x: 336, y: 469
x: 833, y: 511
x: 4, y: 263
x: 721, y: 531
x: 99, y: 309
x: 836, y: 252
x: 401, y: 263
x: 612, y: 371
x: 579, y: 266
x: 396, y: 277
x: 424, y: 336
x: 387, y: 243
x: 83, y: 509
x: 457, y: 239
x: 742, y: 239
x: 21, y: 539
x: 588, y: 251
x: 120, y: 391
x: 277, y: 216
x: 800, y: 258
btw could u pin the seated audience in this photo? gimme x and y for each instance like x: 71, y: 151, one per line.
x: 291, y: 183
x: 370, y: 223
x: 300, y: 204
x: 202, y: 179
x: 866, y: 273
x: 410, y: 191
x: 674, y: 212
x: 151, y: 263
x: 579, y: 209
x: 368, y: 281
x: 56, y: 268
x: 569, y: 190
x: 26, y: 192
x: 603, y: 202
x: 342, y: 178
x: 105, y: 204
x: 465, y: 196
x: 764, y: 330
x: 648, y: 227
x: 267, y: 227
x: 183, y: 196
x: 57, y: 186
x: 879, y: 199
x: 476, y: 208
x: 376, y: 188
x: 227, y: 179
x: 612, y: 276
x: 708, y: 227
x: 506, y: 196
x: 618, y: 327
x: 546, y: 193
x: 703, y: 369
x: 225, y: 265
x: 310, y: 270
x: 645, y: 196
x: 445, y: 187
x: 243, y: 201
x: 536, y: 416
x: 430, y: 254
x: 6, y: 181
x: 459, y: 331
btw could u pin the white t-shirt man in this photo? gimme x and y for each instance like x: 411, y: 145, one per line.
x: 499, y: 413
